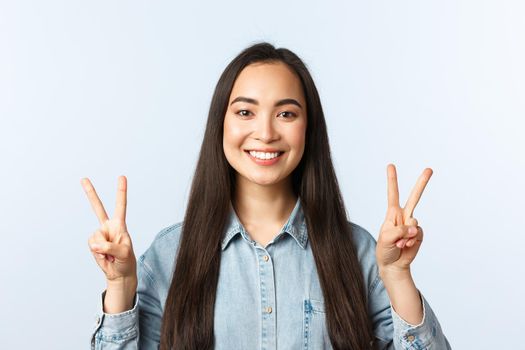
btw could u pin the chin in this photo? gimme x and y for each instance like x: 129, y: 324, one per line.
x: 265, y: 181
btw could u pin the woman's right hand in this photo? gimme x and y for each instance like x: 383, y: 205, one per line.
x: 111, y: 243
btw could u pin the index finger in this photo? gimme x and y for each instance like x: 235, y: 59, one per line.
x: 120, y: 211
x: 393, y: 192
x: 96, y: 204
x: 416, y: 193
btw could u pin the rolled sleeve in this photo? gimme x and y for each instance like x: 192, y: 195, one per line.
x: 425, y: 335
x: 394, y: 333
x: 115, y: 329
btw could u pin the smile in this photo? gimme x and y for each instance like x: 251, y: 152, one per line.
x: 265, y: 155
x: 264, y: 158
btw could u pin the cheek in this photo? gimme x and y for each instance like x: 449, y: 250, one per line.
x: 297, y: 138
x: 232, y: 135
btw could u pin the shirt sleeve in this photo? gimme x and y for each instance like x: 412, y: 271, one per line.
x: 116, y: 331
x: 426, y: 335
x: 394, y: 333
x: 138, y: 328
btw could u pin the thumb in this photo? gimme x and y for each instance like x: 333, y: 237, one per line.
x: 411, y: 222
x: 392, y: 236
x: 119, y: 251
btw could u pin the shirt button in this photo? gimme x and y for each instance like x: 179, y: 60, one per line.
x: 265, y: 258
x: 269, y: 309
x: 411, y: 338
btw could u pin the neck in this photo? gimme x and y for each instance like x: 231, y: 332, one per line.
x: 272, y: 203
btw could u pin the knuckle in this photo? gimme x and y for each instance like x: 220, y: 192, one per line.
x: 106, y: 246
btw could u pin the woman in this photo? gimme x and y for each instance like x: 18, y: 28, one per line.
x: 265, y: 257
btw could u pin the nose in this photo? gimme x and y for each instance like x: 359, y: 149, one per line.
x: 265, y: 129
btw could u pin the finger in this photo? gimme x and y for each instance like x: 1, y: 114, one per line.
x: 104, y: 234
x: 397, y: 233
x: 401, y: 243
x: 96, y: 249
x: 99, y: 236
x: 92, y: 243
x: 96, y: 241
x: 393, y: 192
x: 96, y: 204
x: 417, y: 239
x: 416, y: 193
x: 118, y: 251
x: 394, y: 215
x: 411, y: 242
x: 413, y: 231
x: 102, y: 257
x: 120, y: 211
x: 411, y: 222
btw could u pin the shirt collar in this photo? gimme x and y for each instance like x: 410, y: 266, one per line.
x: 295, y: 227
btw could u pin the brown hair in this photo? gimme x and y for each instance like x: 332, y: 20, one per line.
x: 188, y: 318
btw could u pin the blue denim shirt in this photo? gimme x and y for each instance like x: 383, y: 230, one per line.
x: 267, y: 297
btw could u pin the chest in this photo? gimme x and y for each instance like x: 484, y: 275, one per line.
x: 269, y: 297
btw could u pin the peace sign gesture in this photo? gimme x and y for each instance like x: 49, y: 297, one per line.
x: 400, y: 236
x: 111, y: 243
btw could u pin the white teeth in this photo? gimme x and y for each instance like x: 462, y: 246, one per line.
x: 264, y: 155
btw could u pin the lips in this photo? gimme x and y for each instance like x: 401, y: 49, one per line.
x: 265, y: 150
x: 254, y: 150
x: 270, y: 161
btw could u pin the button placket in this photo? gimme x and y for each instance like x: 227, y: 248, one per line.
x: 267, y: 289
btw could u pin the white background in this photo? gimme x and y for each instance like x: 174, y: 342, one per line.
x: 103, y: 88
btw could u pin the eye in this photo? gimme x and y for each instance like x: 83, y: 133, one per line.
x: 287, y: 115
x: 244, y: 113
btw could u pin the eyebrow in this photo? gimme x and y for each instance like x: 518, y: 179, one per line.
x: 286, y: 101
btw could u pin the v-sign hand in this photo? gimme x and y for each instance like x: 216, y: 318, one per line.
x: 400, y: 236
x: 111, y: 243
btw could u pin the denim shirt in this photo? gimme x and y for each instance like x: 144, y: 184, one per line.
x: 267, y: 297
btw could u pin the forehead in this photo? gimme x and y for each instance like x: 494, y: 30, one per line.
x: 267, y: 81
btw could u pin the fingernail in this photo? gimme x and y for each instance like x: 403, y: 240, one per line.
x: 102, y: 256
x: 412, y: 230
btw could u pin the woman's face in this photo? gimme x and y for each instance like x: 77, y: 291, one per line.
x: 265, y: 123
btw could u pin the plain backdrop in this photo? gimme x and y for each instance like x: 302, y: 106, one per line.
x: 103, y: 88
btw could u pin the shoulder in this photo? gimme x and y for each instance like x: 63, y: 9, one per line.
x: 168, y: 236
x: 365, y: 245
x: 157, y: 262
x: 363, y: 240
x: 166, y: 239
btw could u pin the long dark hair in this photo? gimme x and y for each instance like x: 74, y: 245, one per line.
x: 188, y: 318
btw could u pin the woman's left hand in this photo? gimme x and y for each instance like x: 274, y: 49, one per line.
x: 400, y: 236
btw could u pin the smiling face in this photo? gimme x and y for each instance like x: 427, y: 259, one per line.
x: 265, y: 124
